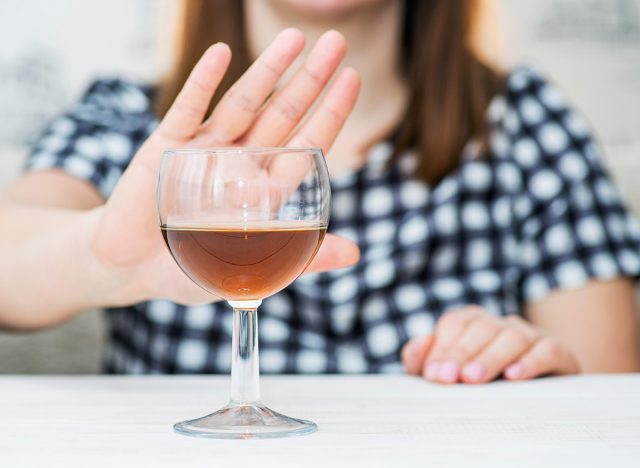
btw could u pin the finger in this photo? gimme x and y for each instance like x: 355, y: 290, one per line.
x: 335, y: 252
x: 321, y: 129
x: 506, y: 348
x: 448, y: 329
x: 414, y: 353
x: 285, y: 110
x: 184, y: 117
x: 518, y: 322
x: 238, y: 107
x: 545, y: 357
x: 327, y: 120
x: 473, y: 339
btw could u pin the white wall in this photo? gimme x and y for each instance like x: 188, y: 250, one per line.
x: 51, y: 49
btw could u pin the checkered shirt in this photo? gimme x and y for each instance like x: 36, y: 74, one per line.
x: 536, y: 212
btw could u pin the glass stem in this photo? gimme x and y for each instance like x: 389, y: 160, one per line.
x: 245, y: 365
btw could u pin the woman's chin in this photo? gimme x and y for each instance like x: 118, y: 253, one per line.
x: 327, y: 7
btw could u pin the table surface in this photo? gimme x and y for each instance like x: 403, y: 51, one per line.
x: 370, y: 421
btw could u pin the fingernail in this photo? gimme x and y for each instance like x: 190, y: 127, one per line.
x: 432, y: 370
x: 449, y: 372
x: 474, y: 371
x: 514, y: 371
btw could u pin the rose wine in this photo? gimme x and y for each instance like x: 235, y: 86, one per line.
x: 235, y: 263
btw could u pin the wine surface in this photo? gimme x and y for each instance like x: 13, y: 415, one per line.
x: 242, y: 264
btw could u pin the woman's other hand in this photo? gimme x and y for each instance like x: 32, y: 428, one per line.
x: 472, y: 346
x: 126, y: 237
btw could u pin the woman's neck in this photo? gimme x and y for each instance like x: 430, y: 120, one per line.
x: 373, y: 34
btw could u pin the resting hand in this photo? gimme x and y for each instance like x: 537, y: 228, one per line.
x: 472, y: 346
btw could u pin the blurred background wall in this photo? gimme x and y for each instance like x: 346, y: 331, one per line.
x: 50, y: 51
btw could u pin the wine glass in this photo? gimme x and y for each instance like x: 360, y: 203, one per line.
x: 243, y: 223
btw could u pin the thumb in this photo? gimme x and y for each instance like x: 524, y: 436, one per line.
x: 414, y: 352
x: 335, y: 252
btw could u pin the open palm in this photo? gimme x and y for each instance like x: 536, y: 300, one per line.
x: 126, y: 234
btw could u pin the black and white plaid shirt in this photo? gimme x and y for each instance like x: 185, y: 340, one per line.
x: 537, y: 213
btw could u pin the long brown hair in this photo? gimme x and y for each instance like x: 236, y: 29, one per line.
x: 449, y: 86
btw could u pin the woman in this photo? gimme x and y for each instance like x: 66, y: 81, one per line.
x: 493, y: 242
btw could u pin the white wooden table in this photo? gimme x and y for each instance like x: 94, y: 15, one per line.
x: 369, y: 421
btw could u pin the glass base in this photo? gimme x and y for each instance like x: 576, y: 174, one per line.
x: 236, y: 421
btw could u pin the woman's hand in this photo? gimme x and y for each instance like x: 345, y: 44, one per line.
x: 472, y: 346
x: 125, y: 236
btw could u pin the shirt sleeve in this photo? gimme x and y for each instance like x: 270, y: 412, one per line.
x: 572, y: 223
x: 96, y: 139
